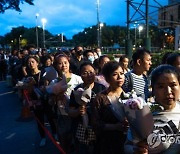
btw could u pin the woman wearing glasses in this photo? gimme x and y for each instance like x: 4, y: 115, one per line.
x: 78, y: 110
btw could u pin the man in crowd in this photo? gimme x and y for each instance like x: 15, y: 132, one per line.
x: 77, y: 59
x: 137, y: 78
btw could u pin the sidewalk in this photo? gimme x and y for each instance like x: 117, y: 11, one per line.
x: 17, y: 135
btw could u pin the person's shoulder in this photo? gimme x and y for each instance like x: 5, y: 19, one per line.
x: 75, y: 76
x: 76, y: 79
x: 101, y: 98
x: 130, y: 72
x: 101, y: 86
x: 78, y: 86
x: 177, y: 107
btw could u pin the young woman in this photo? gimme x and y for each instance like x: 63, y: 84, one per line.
x: 174, y: 60
x: 47, y: 61
x: 108, y: 118
x: 99, y: 77
x: 165, y: 82
x: 42, y: 109
x: 62, y: 66
x: 77, y: 110
x: 124, y: 62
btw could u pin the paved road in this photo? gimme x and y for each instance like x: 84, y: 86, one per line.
x: 18, y: 136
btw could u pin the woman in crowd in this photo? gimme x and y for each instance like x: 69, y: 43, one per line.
x: 47, y: 65
x: 62, y: 66
x: 124, y: 62
x: 100, y: 78
x: 102, y: 61
x: 108, y: 118
x: 41, y: 108
x: 47, y: 61
x: 165, y: 82
x: 89, y: 55
x: 174, y: 60
x: 77, y: 110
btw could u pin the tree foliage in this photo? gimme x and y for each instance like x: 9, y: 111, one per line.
x: 88, y: 37
x: 109, y: 35
x: 21, y: 36
x: 13, y: 4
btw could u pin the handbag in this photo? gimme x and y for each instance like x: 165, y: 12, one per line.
x: 85, y: 135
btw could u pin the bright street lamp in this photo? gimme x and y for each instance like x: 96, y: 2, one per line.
x: 37, y: 44
x: 100, y: 33
x: 98, y: 25
x: 140, y: 29
x: 43, y: 20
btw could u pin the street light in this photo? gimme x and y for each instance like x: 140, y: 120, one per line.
x: 37, y: 44
x: 62, y: 38
x: 43, y: 25
x: 98, y: 24
x: 135, y: 27
x: 140, y: 29
x: 61, y: 35
x: 100, y: 34
x: 20, y: 41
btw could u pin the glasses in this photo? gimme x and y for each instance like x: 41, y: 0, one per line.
x: 88, y: 74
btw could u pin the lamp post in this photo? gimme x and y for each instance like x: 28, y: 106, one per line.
x: 140, y: 29
x: 135, y: 34
x: 43, y: 25
x: 62, y: 38
x: 20, y: 41
x: 37, y: 43
x: 100, y: 34
x: 98, y: 25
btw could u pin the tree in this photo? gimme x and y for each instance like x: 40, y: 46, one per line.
x: 21, y: 36
x: 109, y: 36
x: 2, y: 42
x: 13, y: 4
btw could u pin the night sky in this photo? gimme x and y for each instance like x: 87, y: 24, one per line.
x: 67, y: 16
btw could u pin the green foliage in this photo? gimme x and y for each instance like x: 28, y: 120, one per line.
x: 157, y: 57
x: 13, y: 4
x: 86, y: 38
x: 21, y: 36
x: 109, y: 35
x: 111, y: 56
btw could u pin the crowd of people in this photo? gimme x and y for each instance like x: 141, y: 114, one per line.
x: 83, y: 94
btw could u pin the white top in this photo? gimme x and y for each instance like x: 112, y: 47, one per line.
x: 74, y: 81
x: 161, y: 120
x: 173, y: 115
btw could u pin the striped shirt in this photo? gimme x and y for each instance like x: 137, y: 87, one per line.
x: 139, y: 83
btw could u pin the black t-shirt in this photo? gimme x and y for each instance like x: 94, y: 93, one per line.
x: 38, y: 83
x: 75, y: 64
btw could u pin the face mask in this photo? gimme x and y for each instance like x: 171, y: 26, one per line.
x: 99, y: 53
x: 79, y: 53
x: 96, y: 57
x: 91, y: 59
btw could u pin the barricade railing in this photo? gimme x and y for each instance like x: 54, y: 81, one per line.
x: 44, y: 128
